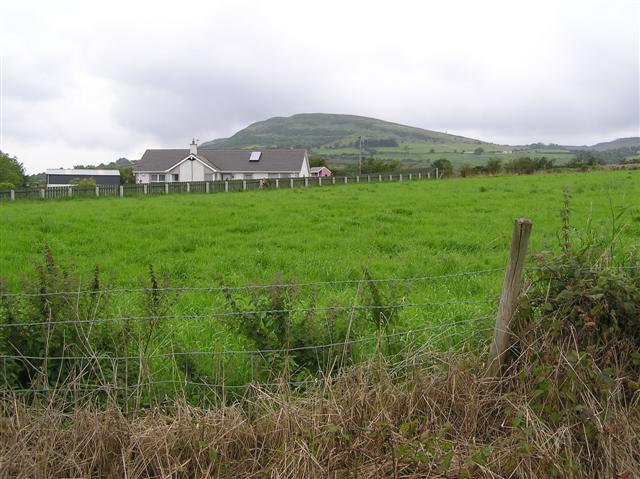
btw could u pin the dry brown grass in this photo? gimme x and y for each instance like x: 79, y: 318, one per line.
x: 439, y: 420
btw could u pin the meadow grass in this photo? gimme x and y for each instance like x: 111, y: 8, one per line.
x: 329, y: 233
x: 397, y: 230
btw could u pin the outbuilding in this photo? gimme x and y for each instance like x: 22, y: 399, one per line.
x: 320, y: 171
x: 66, y: 177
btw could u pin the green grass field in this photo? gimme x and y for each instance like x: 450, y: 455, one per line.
x: 395, y: 230
x: 328, y: 233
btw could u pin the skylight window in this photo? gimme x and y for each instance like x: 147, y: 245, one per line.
x: 255, y: 156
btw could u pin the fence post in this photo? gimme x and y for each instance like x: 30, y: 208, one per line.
x: 346, y: 179
x: 188, y: 187
x: 400, y: 177
x: 510, y: 291
x: 69, y: 192
x: 319, y: 180
x: 419, y: 176
x: 166, y: 188
x: 206, y: 187
x: 379, y: 178
x: 291, y: 182
x: 390, y: 177
x: 306, y: 182
x: 428, y: 175
x: 226, y: 186
x: 410, y: 177
x: 97, y: 191
x: 145, y: 189
x: 437, y: 175
x: 333, y: 180
x: 357, y: 178
x: 12, y: 195
x: 42, y: 193
x: 368, y: 178
x: 277, y: 183
x: 121, y: 191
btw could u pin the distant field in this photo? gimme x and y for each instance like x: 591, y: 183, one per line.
x: 457, y: 154
x: 395, y: 230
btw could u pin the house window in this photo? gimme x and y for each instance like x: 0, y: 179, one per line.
x: 248, y: 176
x: 157, y: 178
x: 175, y: 177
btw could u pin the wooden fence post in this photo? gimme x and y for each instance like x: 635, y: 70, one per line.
x: 291, y: 182
x: 70, y: 192
x: 419, y: 176
x: 510, y: 292
x: 437, y: 176
x: 400, y: 178
x: 188, y: 187
x: 121, y: 191
x: 97, y: 191
x: 346, y: 178
x: 368, y: 178
x: 277, y: 183
x: 358, y: 179
x: 145, y: 189
x: 12, y: 195
x: 166, y: 188
x: 42, y: 193
x: 319, y: 180
x: 390, y: 177
x: 333, y: 180
x: 428, y: 175
x: 306, y: 182
x: 379, y: 178
x: 226, y: 186
x: 206, y: 187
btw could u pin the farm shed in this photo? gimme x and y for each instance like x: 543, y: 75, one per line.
x: 66, y: 177
x: 193, y: 164
x: 320, y: 171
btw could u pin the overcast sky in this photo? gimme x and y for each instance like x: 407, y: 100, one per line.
x: 89, y: 82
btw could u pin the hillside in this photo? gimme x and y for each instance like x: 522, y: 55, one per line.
x: 632, y: 141
x: 336, y: 137
x: 316, y: 130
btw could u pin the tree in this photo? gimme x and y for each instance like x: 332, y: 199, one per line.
x: 494, y: 166
x: 478, y: 151
x: 445, y: 168
x: 11, y: 170
x: 126, y: 174
x: 585, y: 158
x: 316, y: 161
x: 465, y: 170
x: 371, y: 165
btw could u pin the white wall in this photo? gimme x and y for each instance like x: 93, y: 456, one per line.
x: 142, y: 177
x: 304, y: 171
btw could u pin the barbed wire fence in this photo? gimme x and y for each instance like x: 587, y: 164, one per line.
x: 211, y: 343
x: 67, y: 355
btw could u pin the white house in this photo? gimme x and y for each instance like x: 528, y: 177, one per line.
x: 204, y: 164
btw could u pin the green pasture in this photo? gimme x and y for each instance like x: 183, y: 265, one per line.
x: 321, y: 234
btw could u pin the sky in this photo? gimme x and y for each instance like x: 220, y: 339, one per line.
x: 85, y: 82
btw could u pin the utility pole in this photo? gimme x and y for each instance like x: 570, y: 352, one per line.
x: 360, y: 159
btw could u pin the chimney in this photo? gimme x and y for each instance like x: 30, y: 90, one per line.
x: 193, y: 147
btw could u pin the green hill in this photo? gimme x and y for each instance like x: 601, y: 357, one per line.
x: 336, y: 137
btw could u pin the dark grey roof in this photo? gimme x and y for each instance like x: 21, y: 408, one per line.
x: 225, y: 160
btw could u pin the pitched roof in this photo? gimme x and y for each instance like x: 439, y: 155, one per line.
x: 317, y: 169
x: 225, y: 160
x: 83, y: 172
